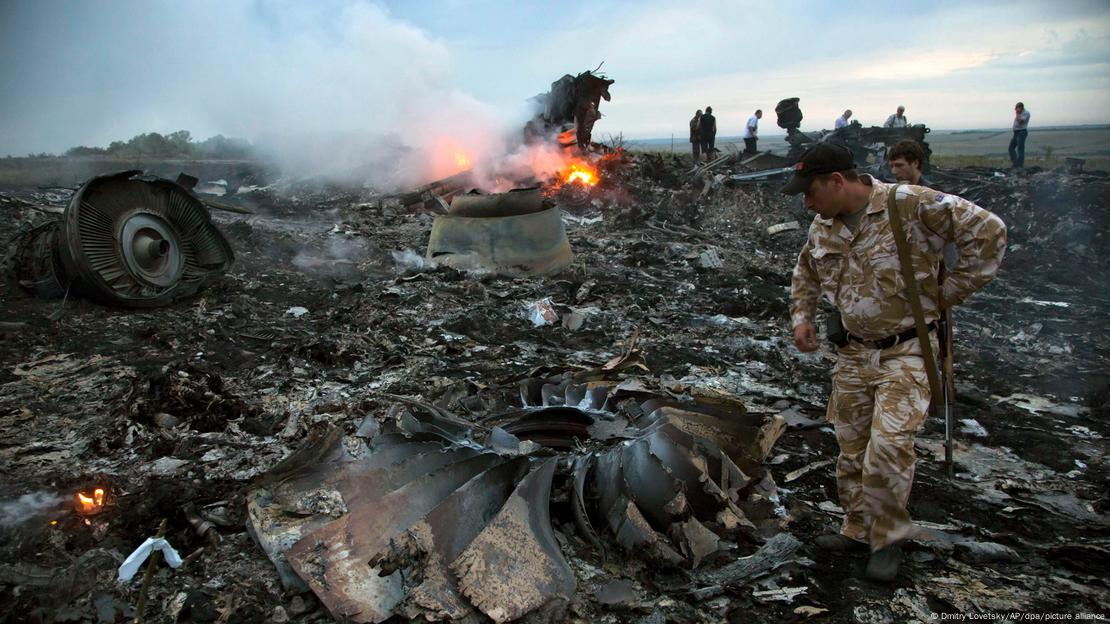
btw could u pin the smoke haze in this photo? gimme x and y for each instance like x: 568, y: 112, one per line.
x: 18, y: 510
x: 341, y: 91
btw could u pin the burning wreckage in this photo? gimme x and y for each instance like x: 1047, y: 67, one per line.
x: 521, y: 232
x: 443, y: 440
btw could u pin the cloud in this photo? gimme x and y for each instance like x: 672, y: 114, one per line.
x: 917, y: 65
x: 324, y: 85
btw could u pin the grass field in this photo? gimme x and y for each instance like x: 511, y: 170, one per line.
x: 1046, y: 147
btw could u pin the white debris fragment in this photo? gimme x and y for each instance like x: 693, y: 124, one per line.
x: 1084, y: 432
x: 213, y: 455
x: 783, y: 227
x: 167, y: 466
x: 214, y: 187
x: 542, y: 312
x: 783, y: 594
x: 582, y: 220
x: 296, y: 311
x: 573, y: 320
x: 1035, y: 404
x: 710, y: 259
x: 722, y: 320
x: 1078, y: 472
x: 131, y: 565
x: 793, y: 475
x: 1056, y: 304
x: 972, y: 427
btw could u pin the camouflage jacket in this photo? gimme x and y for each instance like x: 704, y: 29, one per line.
x: 860, y: 273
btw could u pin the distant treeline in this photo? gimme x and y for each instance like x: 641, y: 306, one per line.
x: 178, y: 144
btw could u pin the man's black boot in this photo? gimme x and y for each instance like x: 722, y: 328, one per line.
x: 839, y: 542
x: 883, y: 564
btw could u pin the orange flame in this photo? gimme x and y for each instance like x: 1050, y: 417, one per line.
x: 581, y: 173
x: 90, y: 504
x: 462, y: 160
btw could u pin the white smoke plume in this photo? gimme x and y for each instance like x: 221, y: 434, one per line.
x: 342, y: 90
x: 19, y: 510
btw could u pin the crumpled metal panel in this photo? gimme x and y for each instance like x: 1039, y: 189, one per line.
x: 439, y: 519
x: 509, y: 233
x: 335, y: 559
x: 428, y: 548
x: 514, y: 565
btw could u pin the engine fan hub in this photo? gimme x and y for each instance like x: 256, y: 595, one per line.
x: 151, y: 250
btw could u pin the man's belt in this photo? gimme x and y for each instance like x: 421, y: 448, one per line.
x: 890, y: 341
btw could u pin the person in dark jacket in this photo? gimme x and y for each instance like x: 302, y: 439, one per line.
x: 695, y: 136
x: 708, y: 133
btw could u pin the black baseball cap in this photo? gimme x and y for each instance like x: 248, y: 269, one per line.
x: 821, y: 158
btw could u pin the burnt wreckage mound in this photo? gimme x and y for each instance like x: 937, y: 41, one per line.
x: 869, y: 146
x: 435, y: 517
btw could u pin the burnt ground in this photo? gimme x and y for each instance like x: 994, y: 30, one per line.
x: 174, y: 411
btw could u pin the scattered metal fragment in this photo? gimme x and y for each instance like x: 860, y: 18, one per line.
x: 440, y: 519
x: 763, y: 161
x: 514, y: 233
x: 782, y: 594
x: 430, y: 195
x: 762, y: 175
x: 986, y: 552
x: 710, y: 259
x: 617, y: 592
x: 778, y: 228
x: 777, y: 550
x: 125, y: 239
x: 203, y: 528
x: 703, y: 168
x: 1074, y: 165
x: 793, y: 475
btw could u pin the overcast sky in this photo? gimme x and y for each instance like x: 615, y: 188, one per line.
x: 87, y: 73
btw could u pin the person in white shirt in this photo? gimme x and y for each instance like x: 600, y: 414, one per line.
x: 897, y: 120
x: 751, y: 132
x: 842, y: 120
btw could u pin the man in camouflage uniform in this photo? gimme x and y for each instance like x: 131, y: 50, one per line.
x: 880, y: 391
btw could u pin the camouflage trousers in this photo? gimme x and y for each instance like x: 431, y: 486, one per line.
x: 879, y: 401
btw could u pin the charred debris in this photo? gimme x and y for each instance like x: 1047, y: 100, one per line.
x: 572, y: 401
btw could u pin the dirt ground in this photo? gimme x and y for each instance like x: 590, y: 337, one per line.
x: 175, y: 411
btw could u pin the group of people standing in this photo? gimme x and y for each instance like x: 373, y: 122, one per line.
x: 703, y: 133
x: 1017, y: 143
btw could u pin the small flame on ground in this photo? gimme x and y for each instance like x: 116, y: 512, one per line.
x: 462, y: 160
x: 581, y: 174
x: 90, y: 504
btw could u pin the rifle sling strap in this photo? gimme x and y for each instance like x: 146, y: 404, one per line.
x: 905, y: 260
